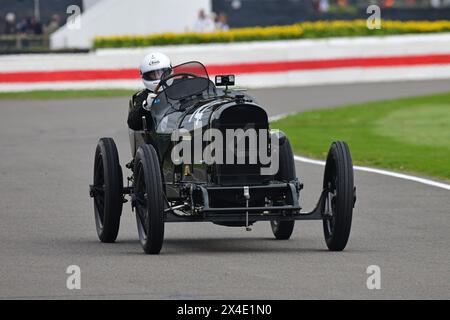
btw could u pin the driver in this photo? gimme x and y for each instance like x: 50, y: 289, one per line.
x: 151, y: 69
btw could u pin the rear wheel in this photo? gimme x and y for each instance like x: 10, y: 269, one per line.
x: 149, y: 199
x: 107, y: 190
x: 338, y: 182
x: 282, y: 230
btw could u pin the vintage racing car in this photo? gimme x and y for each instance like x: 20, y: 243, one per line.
x: 169, y: 183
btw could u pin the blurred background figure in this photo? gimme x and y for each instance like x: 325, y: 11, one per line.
x: 435, y: 3
x: 54, y: 24
x: 36, y: 27
x: 204, y: 23
x: 388, y: 3
x: 324, y: 5
x: 24, y: 26
x: 10, y: 23
x: 320, y: 5
x: 221, y: 22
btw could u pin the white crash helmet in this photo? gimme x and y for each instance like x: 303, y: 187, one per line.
x: 152, y: 67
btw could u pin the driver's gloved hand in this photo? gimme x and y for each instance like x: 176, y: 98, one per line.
x: 147, y: 103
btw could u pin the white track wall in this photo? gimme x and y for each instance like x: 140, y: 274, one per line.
x: 255, y: 53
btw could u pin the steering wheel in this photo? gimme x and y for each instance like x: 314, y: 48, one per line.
x: 183, y: 75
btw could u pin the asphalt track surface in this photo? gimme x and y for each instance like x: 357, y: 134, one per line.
x: 47, y: 220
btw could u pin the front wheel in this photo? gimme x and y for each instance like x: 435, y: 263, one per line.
x: 340, y: 196
x: 149, y: 199
x: 282, y: 230
x: 107, y: 190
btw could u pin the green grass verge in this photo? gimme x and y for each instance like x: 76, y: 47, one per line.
x: 409, y: 135
x: 64, y: 94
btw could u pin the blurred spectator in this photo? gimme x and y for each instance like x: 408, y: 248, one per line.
x: 435, y: 3
x: 388, y: 3
x: 10, y: 23
x: 324, y: 5
x: 315, y: 5
x: 36, y: 27
x: 24, y: 26
x: 204, y: 23
x: 54, y: 24
x: 221, y: 22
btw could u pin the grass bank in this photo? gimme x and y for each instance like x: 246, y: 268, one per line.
x: 409, y: 135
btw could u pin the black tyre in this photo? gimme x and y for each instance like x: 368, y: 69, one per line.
x: 107, y: 190
x: 149, y: 199
x: 338, y: 181
x: 282, y: 230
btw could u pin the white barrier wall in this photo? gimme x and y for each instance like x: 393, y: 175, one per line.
x: 410, y: 57
x: 137, y: 17
x: 232, y: 53
x: 294, y: 50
